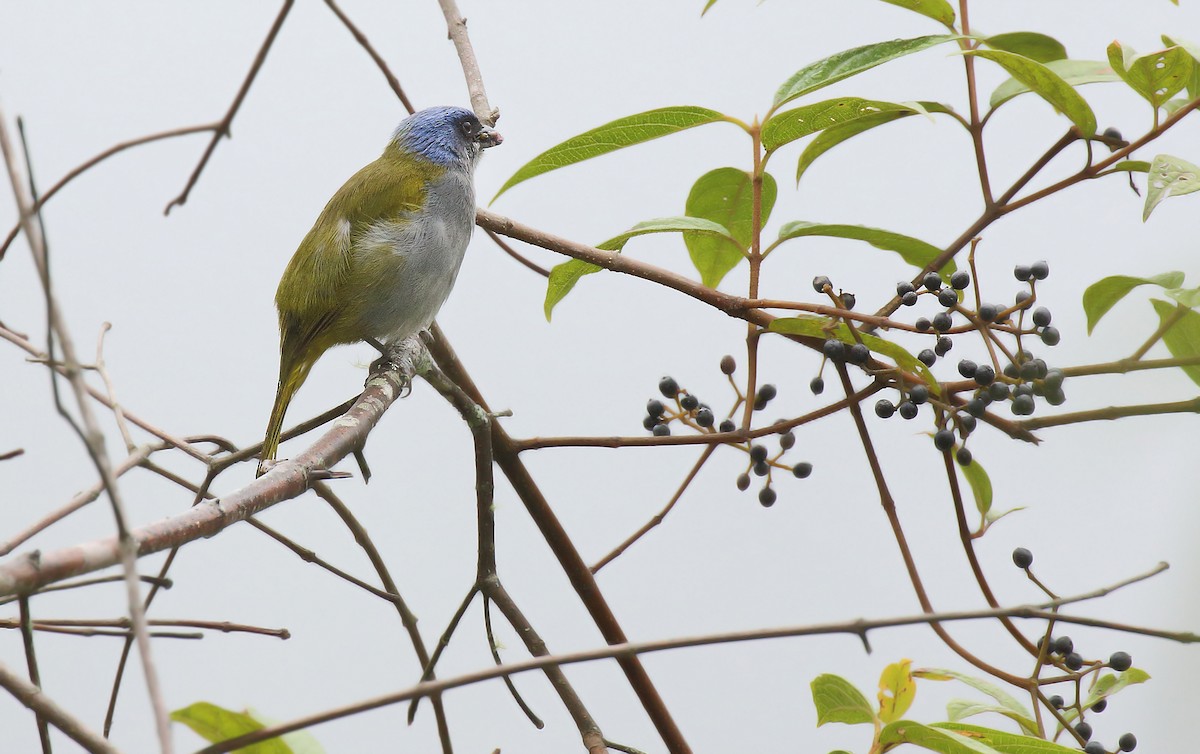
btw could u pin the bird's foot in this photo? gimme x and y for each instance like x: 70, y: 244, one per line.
x: 406, y: 357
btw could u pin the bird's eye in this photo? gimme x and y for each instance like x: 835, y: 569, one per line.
x: 468, y: 127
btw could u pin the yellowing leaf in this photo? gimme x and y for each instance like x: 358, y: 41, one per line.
x: 897, y: 689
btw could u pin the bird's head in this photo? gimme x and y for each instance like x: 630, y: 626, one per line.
x: 445, y: 136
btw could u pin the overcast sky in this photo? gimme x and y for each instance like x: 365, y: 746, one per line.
x: 193, y: 350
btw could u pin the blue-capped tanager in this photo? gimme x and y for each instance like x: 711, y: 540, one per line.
x: 383, y: 254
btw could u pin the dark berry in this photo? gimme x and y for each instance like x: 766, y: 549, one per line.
x: 907, y: 409
x: 1073, y: 661
x: 689, y: 402
x: 918, y: 394
x: 668, y: 387
x: 976, y: 407
x: 787, y: 440
x: 758, y: 453
x: 1053, y: 379
x: 966, y: 424
x: 662, y: 430
x: 1115, y: 135
x: 1041, y: 316
x: 1084, y: 729
x: 817, y: 385
x: 960, y: 280
x: 728, y: 365
x: 1051, y: 336
x: 802, y: 470
x: 762, y: 468
x: 1022, y: 272
x: 1022, y: 297
x: 932, y: 281
x: 1100, y: 705
x: 884, y: 408
x: 1040, y: 269
x: 704, y: 417
x: 927, y: 357
x: 1094, y: 747
x: 820, y: 283
x: 1025, y: 389
x: 988, y: 312
x: 1063, y: 645
x: 834, y: 350
x: 767, y: 392
x: 743, y: 482
x: 963, y: 456
x: 943, y: 439
x: 1120, y: 661
x: 904, y: 287
x: 909, y: 299
x: 858, y: 354
x: 947, y: 297
x: 767, y: 497
x: 1041, y: 367
x: 727, y: 425
x: 655, y: 408
x: 650, y: 422
x: 848, y: 300
x: 1056, y: 701
x: 985, y: 375
x: 1128, y: 741
x: 1029, y: 371
x: 1056, y: 397
x: 942, y: 321
x: 1022, y: 557
x: 922, y: 324
x: 997, y: 391
x: 1022, y: 405
x: 943, y: 346
x: 967, y: 368
x: 1011, y: 371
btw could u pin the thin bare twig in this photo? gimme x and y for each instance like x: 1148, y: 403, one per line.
x: 362, y: 40
x: 32, y: 697
x: 25, y: 621
x: 457, y: 26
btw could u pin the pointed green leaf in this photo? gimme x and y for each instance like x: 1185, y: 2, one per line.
x: 981, y: 486
x: 784, y: 128
x: 1073, y: 72
x: 916, y: 252
x: 1005, y: 742
x: 1189, y: 297
x: 1006, y: 700
x: 563, y: 277
x: 1183, y: 339
x: 620, y: 133
x: 838, y: 701
x: 932, y: 738
x: 1157, y: 76
x: 961, y: 709
x: 896, y: 690
x: 992, y: 517
x: 1031, y: 44
x: 938, y: 10
x: 1047, y: 84
x: 834, y: 135
x: 1169, y: 176
x: 708, y: 5
x: 818, y: 327
x: 1108, y: 684
x: 1104, y: 294
x: 726, y: 197
x: 213, y: 724
x: 851, y: 62
x: 1193, y: 49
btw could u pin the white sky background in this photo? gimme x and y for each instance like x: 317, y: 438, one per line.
x: 193, y: 350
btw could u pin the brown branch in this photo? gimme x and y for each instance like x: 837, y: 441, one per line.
x: 32, y: 697
x: 208, y: 625
x: 25, y: 622
x: 1113, y: 412
x: 363, y: 42
x: 222, y: 127
x: 509, y: 250
x: 457, y: 27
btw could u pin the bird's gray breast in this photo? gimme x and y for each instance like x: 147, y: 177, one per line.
x: 427, y: 248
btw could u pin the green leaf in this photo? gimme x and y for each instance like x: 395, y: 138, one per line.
x: 1006, y: 700
x: 1031, y: 44
x: 213, y: 724
x: 916, y: 252
x: 1189, y: 297
x: 1157, y: 76
x: 725, y: 196
x: 834, y: 135
x: 1047, y: 84
x: 1108, y: 684
x: 896, y: 691
x: 1131, y: 166
x: 620, y: 133
x: 819, y: 327
x: 1104, y: 294
x: 981, y: 486
x: 960, y: 709
x: 563, y: 277
x: 932, y: 738
x: 1169, y: 176
x: 938, y: 10
x: 838, y: 701
x: 1183, y: 339
x: 300, y: 741
x: 784, y: 128
x: 1073, y: 72
x: 708, y: 5
x: 852, y: 62
x: 1005, y: 742
x: 1193, y: 49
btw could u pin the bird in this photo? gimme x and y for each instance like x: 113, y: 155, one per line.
x: 385, y: 251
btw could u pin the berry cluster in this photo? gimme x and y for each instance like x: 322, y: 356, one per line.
x: 688, y: 408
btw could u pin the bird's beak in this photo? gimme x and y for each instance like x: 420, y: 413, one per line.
x: 489, y: 137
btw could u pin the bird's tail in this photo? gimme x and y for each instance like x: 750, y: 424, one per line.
x: 291, y: 377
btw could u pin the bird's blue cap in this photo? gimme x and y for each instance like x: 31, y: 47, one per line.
x: 445, y: 135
